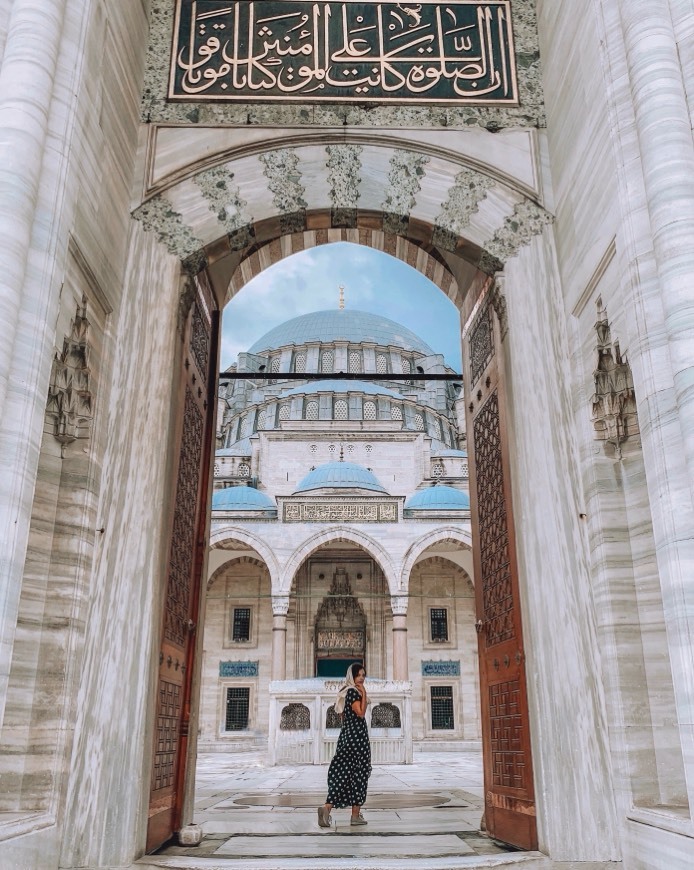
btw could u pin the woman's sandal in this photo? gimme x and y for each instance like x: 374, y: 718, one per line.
x: 324, y: 818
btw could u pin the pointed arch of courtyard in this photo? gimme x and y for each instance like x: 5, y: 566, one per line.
x: 339, y: 534
x: 228, y: 534
x: 445, y: 534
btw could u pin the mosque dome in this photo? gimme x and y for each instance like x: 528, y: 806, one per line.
x: 341, y: 325
x: 438, y: 498
x: 338, y: 386
x: 340, y: 475
x: 241, y: 498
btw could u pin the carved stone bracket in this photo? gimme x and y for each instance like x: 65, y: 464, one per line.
x: 70, y: 407
x: 398, y: 604
x: 497, y: 297
x: 614, y: 413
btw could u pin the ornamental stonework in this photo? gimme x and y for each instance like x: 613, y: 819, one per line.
x: 340, y: 511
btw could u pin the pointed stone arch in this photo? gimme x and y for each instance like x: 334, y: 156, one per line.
x: 339, y: 533
x: 446, y: 534
x: 241, y: 560
x: 253, y: 542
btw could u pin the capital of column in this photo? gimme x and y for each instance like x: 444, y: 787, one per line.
x: 398, y: 604
x: 280, y: 605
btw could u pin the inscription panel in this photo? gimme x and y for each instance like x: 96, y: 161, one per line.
x: 458, y: 52
x: 340, y: 511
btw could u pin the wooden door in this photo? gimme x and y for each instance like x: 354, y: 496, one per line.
x: 508, y: 774
x: 187, y: 549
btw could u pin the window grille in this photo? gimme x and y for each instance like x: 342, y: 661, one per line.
x: 238, y: 703
x: 369, y: 410
x: 438, y: 617
x: 341, y: 412
x: 438, y: 470
x: 300, y: 363
x: 464, y: 469
x: 217, y: 470
x: 241, y: 625
x: 385, y: 716
x: 381, y: 364
x: 262, y: 417
x: 395, y: 412
x: 275, y: 365
x: 245, y: 426
x: 284, y: 412
x: 332, y: 449
x: 369, y: 448
x: 419, y: 422
x: 312, y: 410
x: 355, y: 361
x: 442, y: 708
x: 295, y: 717
x: 243, y: 470
x: 327, y: 361
x: 406, y: 366
x: 332, y: 719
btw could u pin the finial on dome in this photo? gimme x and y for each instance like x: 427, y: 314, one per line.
x: 342, y: 297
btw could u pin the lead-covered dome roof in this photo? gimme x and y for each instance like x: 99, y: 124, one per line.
x: 341, y: 325
x: 241, y: 498
x: 438, y: 498
x: 340, y: 475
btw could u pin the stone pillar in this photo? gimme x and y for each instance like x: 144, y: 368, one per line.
x: 665, y: 385
x: 401, y: 670
x: 29, y: 292
x: 280, y: 606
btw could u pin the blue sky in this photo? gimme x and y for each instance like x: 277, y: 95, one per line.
x: 373, y: 282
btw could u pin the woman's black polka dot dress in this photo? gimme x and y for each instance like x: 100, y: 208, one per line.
x: 350, y: 769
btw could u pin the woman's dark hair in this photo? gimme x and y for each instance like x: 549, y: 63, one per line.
x: 355, y: 668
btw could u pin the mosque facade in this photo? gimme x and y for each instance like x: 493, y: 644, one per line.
x: 537, y: 165
x: 376, y: 470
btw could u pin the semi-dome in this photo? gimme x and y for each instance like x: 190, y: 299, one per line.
x: 241, y: 498
x: 341, y: 325
x: 438, y: 498
x: 338, y: 386
x: 340, y: 475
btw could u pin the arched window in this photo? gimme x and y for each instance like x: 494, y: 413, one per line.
x: 275, y: 365
x: 295, y: 717
x: 385, y: 716
x: 262, y: 416
x: 300, y: 363
x: 419, y: 422
x: 284, y: 412
x: 332, y: 719
x: 243, y: 470
x: 381, y: 364
x: 369, y: 410
x: 341, y: 411
x: 327, y: 361
x: 355, y: 361
x: 312, y: 410
x: 395, y: 412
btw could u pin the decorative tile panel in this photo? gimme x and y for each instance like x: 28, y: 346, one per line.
x: 440, y: 669
x: 238, y: 669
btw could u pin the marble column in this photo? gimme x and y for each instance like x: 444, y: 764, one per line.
x: 280, y: 606
x: 401, y: 670
x: 661, y: 116
x: 31, y: 186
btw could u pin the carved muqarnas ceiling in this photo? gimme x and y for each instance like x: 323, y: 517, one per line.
x: 462, y: 208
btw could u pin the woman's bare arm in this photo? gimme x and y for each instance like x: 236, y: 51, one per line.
x: 359, y: 706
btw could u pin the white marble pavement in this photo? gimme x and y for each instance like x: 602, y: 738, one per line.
x: 424, y: 815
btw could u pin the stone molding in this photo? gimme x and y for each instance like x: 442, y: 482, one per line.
x: 464, y: 197
x: 399, y: 604
x: 280, y: 605
x: 527, y: 221
x: 317, y: 685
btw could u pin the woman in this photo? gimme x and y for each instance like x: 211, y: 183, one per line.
x: 350, y: 769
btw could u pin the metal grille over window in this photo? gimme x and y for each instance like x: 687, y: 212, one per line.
x: 245, y: 426
x: 241, y: 625
x: 332, y: 719
x: 275, y: 365
x: 262, y: 417
x: 300, y: 363
x: 419, y: 422
x: 385, y: 716
x: 442, y: 708
x: 244, y: 470
x: 355, y: 361
x: 327, y: 361
x: 464, y: 469
x: 395, y: 412
x: 238, y: 702
x: 437, y: 470
x: 369, y: 410
x: 439, y: 624
x: 312, y: 410
x: 217, y: 469
x: 284, y: 412
x: 341, y: 409
x: 295, y: 717
x: 381, y: 364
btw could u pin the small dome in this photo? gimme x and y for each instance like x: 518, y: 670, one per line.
x: 338, y: 386
x: 450, y: 454
x: 241, y: 498
x: 341, y: 325
x: 339, y: 475
x: 438, y: 498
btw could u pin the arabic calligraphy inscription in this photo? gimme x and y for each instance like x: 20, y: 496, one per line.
x: 459, y: 52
